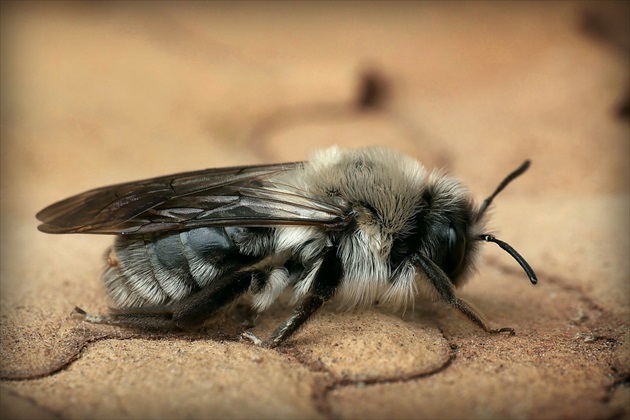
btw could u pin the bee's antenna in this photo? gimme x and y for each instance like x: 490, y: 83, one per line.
x: 519, y: 259
x: 486, y: 203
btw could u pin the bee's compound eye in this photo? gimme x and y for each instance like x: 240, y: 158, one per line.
x: 456, y: 251
x: 452, y: 238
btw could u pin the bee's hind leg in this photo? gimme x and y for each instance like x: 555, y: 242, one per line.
x: 87, y: 317
x: 150, y: 318
x: 188, y: 314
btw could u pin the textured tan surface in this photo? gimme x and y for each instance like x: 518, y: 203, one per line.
x: 94, y: 94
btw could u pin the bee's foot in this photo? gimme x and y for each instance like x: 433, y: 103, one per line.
x: 252, y: 338
x: 95, y: 319
x: 506, y: 330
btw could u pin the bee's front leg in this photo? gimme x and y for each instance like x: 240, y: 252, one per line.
x: 444, y: 288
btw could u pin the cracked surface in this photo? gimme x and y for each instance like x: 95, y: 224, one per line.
x: 94, y: 95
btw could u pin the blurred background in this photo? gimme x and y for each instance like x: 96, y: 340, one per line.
x: 119, y: 90
x: 96, y: 93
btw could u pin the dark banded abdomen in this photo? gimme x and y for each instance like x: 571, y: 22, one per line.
x: 144, y: 270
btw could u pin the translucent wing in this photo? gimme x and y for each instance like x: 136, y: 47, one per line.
x: 236, y: 196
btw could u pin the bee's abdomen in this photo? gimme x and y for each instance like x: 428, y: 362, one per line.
x: 146, y: 270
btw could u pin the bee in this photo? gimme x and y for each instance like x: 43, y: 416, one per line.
x: 366, y: 226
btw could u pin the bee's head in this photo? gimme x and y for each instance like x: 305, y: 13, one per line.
x: 448, y: 228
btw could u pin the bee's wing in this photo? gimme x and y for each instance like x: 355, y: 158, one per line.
x: 236, y: 196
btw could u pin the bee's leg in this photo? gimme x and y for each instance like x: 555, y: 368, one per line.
x: 323, y: 288
x: 150, y: 318
x: 189, y: 313
x: 194, y: 310
x: 445, y: 290
x: 307, y: 308
x: 302, y: 313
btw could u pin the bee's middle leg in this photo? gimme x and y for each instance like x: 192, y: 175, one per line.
x: 323, y: 289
